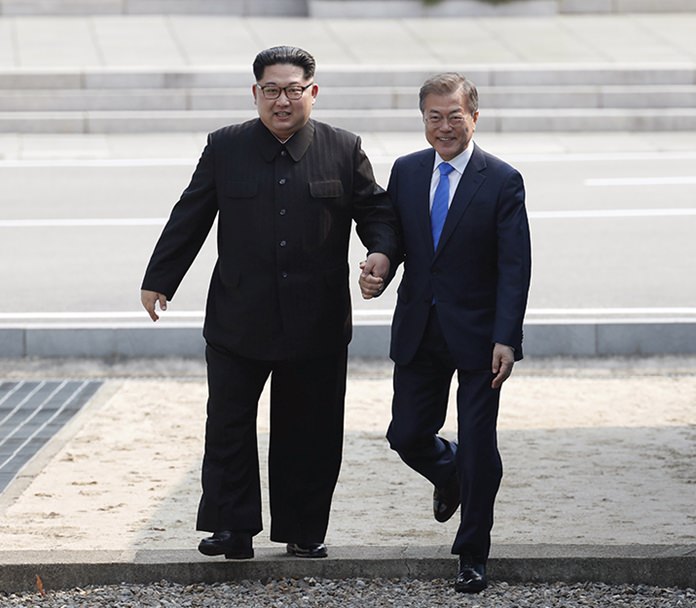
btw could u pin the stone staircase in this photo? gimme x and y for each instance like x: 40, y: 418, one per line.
x: 519, y: 98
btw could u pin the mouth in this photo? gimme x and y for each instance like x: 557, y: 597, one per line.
x: 282, y: 114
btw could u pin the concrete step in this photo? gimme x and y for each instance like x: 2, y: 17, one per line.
x: 342, y: 8
x: 361, y: 121
x: 339, y: 98
x: 584, y: 74
x: 513, y: 98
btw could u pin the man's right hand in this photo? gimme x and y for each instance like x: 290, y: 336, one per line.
x: 371, y: 286
x: 149, y: 300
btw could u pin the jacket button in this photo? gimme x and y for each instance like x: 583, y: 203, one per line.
x: 282, y: 181
x: 284, y: 275
x: 283, y: 243
x: 282, y: 212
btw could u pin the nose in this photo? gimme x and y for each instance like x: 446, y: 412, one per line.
x: 283, y: 97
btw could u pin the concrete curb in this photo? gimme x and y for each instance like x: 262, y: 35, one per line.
x: 666, y: 565
x: 589, y: 338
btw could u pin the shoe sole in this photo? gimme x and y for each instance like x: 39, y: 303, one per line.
x: 470, y: 588
x: 239, y: 555
x: 213, y: 552
x: 307, y: 555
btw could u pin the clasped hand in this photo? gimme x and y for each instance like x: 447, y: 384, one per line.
x: 373, y: 273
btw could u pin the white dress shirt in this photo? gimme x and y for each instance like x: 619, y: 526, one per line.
x: 459, y: 163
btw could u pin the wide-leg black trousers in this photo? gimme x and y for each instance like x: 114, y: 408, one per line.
x: 306, y: 444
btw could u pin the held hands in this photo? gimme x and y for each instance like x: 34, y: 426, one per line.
x: 149, y: 300
x: 374, y: 270
x: 503, y: 360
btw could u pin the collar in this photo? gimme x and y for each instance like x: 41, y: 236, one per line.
x: 459, y: 162
x: 270, y: 146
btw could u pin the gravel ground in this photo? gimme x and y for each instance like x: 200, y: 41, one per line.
x: 356, y: 593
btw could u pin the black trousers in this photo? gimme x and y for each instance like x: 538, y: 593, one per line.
x: 419, y: 408
x: 306, y: 444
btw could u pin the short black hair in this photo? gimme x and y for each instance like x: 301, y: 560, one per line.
x: 285, y: 54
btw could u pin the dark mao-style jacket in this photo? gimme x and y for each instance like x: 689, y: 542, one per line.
x: 279, y: 288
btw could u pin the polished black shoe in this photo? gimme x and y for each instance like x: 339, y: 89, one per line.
x: 471, y: 577
x: 308, y: 550
x: 446, y: 500
x: 234, y: 545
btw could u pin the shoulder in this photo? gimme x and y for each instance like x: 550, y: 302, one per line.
x: 493, y: 163
x: 421, y: 157
x: 325, y: 131
x: 228, y: 132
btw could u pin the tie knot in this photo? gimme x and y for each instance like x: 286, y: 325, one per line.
x: 445, y: 168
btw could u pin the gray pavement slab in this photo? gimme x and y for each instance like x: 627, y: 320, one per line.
x: 341, y: 8
x: 171, y: 41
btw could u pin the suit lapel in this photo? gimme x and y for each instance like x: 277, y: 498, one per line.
x: 469, y: 183
x: 422, y: 176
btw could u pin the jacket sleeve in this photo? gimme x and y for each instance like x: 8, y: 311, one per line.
x: 186, y: 230
x: 373, y: 212
x: 514, y: 263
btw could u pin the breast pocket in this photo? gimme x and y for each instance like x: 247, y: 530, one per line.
x: 330, y: 189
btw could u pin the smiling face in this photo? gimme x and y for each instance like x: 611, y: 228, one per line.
x: 283, y: 116
x: 439, y: 114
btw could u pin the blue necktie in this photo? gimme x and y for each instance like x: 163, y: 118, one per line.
x: 438, y: 213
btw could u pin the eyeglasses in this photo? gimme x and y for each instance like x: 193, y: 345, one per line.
x: 292, y: 91
x: 435, y: 120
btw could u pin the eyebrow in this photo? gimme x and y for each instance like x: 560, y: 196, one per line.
x: 452, y: 113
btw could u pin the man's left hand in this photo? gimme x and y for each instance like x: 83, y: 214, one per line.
x: 503, y: 360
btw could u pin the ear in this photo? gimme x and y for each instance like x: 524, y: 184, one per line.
x: 475, y: 116
x: 314, y: 91
x: 254, y: 92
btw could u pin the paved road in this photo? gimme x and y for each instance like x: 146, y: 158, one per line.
x: 613, y: 218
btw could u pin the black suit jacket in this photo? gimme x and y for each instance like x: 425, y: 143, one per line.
x: 279, y: 288
x: 479, y: 276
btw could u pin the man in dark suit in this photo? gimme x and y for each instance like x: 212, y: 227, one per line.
x: 460, y: 308
x: 285, y: 190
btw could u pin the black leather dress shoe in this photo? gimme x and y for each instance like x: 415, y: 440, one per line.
x: 471, y: 577
x: 308, y: 550
x: 234, y: 545
x: 446, y: 500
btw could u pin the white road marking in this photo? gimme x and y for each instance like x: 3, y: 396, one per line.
x: 675, y: 180
x: 96, y: 162
x: 160, y: 221
x: 83, y: 222
x: 609, y: 213
x: 359, y: 314
x: 376, y: 158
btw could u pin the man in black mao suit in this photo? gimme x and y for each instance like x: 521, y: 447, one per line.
x: 285, y: 190
x: 460, y: 308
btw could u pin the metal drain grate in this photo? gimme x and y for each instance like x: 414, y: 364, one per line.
x: 31, y: 413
